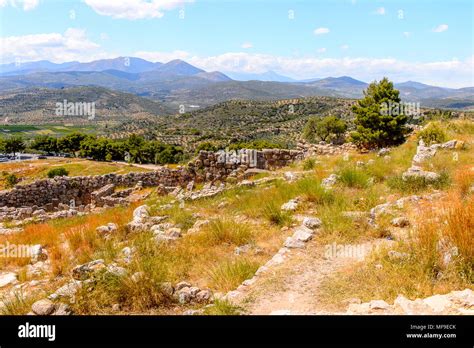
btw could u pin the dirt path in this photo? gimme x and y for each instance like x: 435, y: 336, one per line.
x: 293, y: 286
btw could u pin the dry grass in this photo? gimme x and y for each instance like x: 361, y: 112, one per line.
x: 28, y: 171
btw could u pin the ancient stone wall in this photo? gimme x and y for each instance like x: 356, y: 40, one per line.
x: 208, y: 166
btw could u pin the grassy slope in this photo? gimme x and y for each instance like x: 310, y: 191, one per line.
x: 252, y: 215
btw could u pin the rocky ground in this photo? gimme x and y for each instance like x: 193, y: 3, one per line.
x: 275, y: 243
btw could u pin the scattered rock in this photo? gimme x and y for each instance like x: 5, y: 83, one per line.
x: 293, y: 243
x: 43, y: 307
x: 312, y: 222
x: 379, y: 305
x: 8, y: 278
x: 182, y: 285
x: 291, y: 205
x: 107, y: 229
x: 303, y: 234
x: 85, y: 271
x: 330, y: 181
x: 203, y: 296
x: 400, y: 222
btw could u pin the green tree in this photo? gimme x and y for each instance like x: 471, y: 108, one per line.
x: 378, y: 119
x: 71, y: 143
x: 45, y: 143
x: 206, y: 146
x: 325, y: 129
x: 14, y: 144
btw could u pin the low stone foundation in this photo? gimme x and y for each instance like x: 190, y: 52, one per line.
x: 49, y: 194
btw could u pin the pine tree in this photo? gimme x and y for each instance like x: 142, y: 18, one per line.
x: 378, y: 120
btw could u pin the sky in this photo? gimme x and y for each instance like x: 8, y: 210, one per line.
x: 429, y: 41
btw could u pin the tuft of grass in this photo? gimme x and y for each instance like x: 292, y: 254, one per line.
x: 309, y: 164
x: 18, y: 304
x: 417, y: 184
x: 230, y: 274
x: 227, y: 231
x: 312, y: 191
x: 223, y: 307
x: 273, y: 213
x: 353, y: 177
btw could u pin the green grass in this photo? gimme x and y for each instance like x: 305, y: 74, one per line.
x: 309, y: 164
x: 273, y: 213
x: 312, y: 191
x: 229, y: 275
x: 223, y: 307
x: 353, y: 177
x: 228, y: 231
x: 413, y: 185
x: 18, y: 304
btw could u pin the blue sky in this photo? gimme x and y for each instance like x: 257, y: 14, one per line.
x: 427, y: 41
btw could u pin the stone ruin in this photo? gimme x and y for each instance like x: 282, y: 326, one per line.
x: 67, y: 196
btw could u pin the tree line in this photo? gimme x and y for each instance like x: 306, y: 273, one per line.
x: 134, y: 149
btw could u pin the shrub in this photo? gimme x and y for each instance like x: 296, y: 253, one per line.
x: 58, y: 172
x: 325, y: 129
x: 433, y: 134
x: 309, y: 164
x: 206, y: 146
x: 11, y: 180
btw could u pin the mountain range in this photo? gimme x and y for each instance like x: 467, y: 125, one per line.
x: 178, y: 83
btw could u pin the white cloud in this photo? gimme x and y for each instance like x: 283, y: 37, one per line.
x: 345, y: 47
x: 440, y: 28
x: 380, y: 11
x: 321, y: 31
x: 162, y: 57
x: 322, y: 50
x: 27, y: 5
x: 246, y: 45
x: 134, y: 9
x: 56, y: 47
x: 451, y: 73
x: 406, y: 34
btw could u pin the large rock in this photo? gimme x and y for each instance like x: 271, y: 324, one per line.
x: 417, y: 172
x: 312, y: 222
x: 303, y: 234
x: 43, y: 307
x: 8, y: 278
x: 85, y: 271
x: 291, y: 205
x: 330, y: 181
x: 141, y: 214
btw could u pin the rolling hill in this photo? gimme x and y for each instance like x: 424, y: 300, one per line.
x: 178, y: 83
